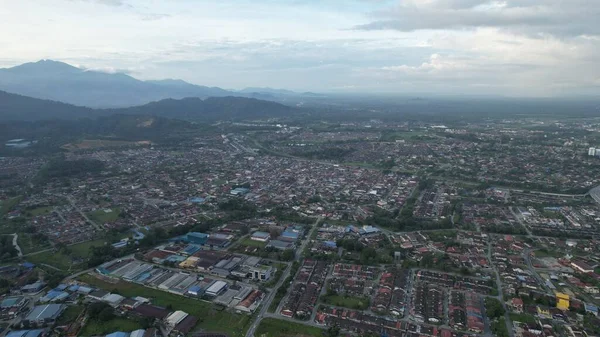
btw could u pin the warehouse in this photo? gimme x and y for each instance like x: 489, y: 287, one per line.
x: 43, y: 314
x: 175, y: 318
x: 216, y: 288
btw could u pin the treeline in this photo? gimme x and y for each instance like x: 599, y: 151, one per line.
x: 7, y: 250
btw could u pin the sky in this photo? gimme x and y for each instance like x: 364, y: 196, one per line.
x: 538, y: 48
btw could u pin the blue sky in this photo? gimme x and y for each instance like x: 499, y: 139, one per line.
x: 511, y: 48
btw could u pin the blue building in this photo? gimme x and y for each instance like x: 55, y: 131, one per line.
x: 193, y: 238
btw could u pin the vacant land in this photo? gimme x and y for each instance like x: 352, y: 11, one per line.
x: 210, y: 318
x: 103, y: 216
x: 69, y: 315
x: 39, y: 210
x: 88, y: 144
x: 95, y: 328
x: 252, y: 243
x: 29, y: 243
x: 271, y: 327
x: 72, y: 258
x: 8, y: 204
x: 347, y: 301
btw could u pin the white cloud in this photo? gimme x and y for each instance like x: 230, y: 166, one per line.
x: 528, y: 47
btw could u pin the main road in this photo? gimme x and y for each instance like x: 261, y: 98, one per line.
x: 267, y: 302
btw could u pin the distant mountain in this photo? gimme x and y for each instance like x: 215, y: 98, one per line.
x: 213, y: 108
x: 21, y: 108
x: 252, y: 90
x: 59, y: 81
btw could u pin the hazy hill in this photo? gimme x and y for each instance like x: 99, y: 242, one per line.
x: 213, y: 108
x: 21, y: 108
x: 62, y: 82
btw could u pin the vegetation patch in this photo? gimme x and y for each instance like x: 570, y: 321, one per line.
x: 271, y: 327
x: 103, y: 216
x: 351, y: 302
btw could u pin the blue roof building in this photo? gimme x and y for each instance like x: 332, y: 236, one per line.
x: 195, y: 237
x: 25, y: 333
x: 330, y: 244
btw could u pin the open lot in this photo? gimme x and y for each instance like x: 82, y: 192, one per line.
x: 95, y: 328
x: 211, y: 318
x: 88, y: 144
x: 347, y: 302
x: 252, y: 243
x: 271, y: 327
x: 102, y: 216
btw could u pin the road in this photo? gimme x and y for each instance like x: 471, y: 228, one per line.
x: 16, y: 244
x: 267, y: 302
x: 507, y: 319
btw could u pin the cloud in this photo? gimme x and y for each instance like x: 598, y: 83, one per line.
x: 532, y: 17
x: 116, y: 3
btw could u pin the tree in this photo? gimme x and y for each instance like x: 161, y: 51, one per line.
x: 333, y: 331
x: 106, y: 314
x: 287, y: 255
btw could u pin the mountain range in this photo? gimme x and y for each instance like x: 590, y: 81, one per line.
x: 15, y: 107
x: 58, y: 81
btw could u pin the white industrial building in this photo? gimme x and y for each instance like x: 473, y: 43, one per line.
x: 216, y: 288
x: 175, y: 318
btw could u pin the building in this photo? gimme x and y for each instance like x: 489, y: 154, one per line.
x: 27, y: 333
x: 591, y: 151
x: 260, y: 236
x: 517, y: 305
x: 562, y: 301
x: 261, y: 273
x: 175, y: 318
x: 193, y: 238
x: 216, y: 288
x: 43, y: 314
x: 33, y: 288
x: 13, y: 302
x: 582, y: 267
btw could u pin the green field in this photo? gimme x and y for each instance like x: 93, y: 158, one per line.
x: 210, y: 318
x: 69, y: 315
x: 71, y: 260
x: 8, y: 204
x: 83, y: 249
x: 252, y: 243
x: 39, y: 210
x: 29, y: 245
x: 271, y: 327
x: 95, y: 328
x: 523, y: 318
x: 347, y: 301
x: 102, y: 217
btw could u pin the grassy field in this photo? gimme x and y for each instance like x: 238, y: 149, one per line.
x: 69, y: 315
x: 347, y: 301
x: 73, y: 260
x: 210, y: 318
x: 39, y: 210
x: 95, y: 328
x: 29, y: 245
x: 252, y: 243
x: 8, y: 204
x: 523, y: 318
x: 102, y: 217
x: 83, y: 249
x: 57, y: 260
x: 271, y: 327
x: 101, y: 143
